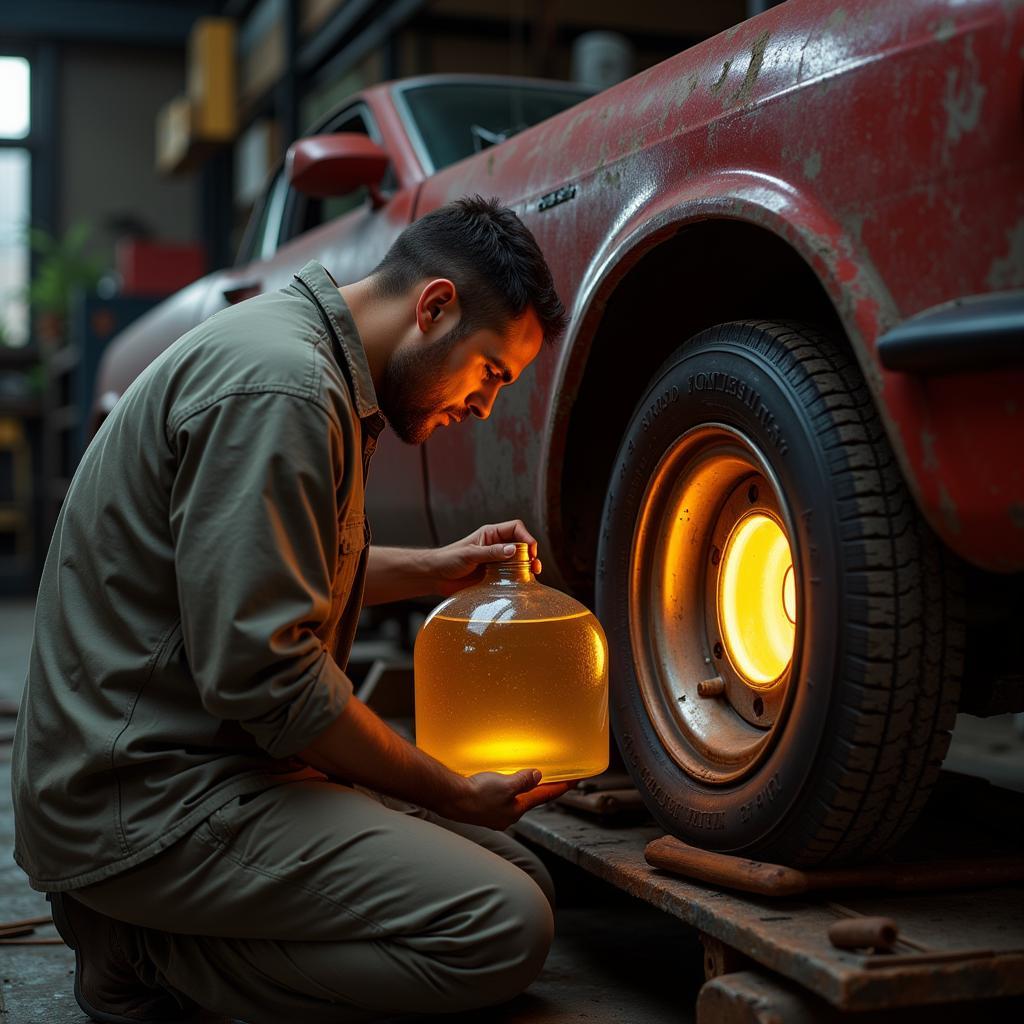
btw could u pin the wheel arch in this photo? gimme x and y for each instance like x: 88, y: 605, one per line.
x: 736, y: 269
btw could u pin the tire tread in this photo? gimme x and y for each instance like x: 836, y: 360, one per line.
x: 902, y: 605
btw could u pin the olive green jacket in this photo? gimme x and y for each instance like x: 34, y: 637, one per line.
x: 202, y: 587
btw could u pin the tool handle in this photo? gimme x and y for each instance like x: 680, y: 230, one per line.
x: 879, y: 933
x: 720, y: 869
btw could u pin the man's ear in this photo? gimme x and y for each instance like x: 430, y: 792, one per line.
x: 437, y: 299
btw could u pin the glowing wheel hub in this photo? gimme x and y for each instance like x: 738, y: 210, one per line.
x: 757, y: 599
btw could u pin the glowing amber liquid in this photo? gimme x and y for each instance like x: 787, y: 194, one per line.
x: 500, y: 696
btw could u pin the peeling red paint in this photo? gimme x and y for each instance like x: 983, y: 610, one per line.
x: 846, y: 271
x: 516, y: 432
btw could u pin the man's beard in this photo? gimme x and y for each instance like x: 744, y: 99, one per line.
x: 413, y: 389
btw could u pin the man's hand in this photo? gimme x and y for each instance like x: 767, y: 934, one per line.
x: 358, y: 747
x: 461, y: 564
x: 497, y: 801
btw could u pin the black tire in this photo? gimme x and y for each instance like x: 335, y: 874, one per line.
x: 862, y: 715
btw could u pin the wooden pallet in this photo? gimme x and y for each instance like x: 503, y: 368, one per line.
x: 955, y: 947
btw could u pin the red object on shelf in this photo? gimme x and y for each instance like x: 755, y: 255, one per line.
x: 157, y: 268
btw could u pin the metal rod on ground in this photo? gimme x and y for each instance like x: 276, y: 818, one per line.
x: 26, y: 922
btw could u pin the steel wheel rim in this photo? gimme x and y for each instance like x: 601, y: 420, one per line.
x: 709, y: 481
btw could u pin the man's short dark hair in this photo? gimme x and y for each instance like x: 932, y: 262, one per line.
x: 489, y: 255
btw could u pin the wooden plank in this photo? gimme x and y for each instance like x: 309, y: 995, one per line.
x: 790, y: 936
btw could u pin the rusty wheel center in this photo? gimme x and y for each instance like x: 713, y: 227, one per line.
x: 714, y: 603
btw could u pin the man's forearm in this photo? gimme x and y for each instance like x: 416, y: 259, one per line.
x: 397, y: 574
x: 359, y: 747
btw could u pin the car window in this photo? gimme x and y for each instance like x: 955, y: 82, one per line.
x: 268, y: 231
x: 452, y: 121
x: 255, y: 225
x: 285, y: 213
x: 251, y: 245
x: 259, y: 242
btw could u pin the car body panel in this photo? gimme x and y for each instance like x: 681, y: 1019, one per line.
x: 882, y: 142
x: 134, y: 348
x: 887, y: 150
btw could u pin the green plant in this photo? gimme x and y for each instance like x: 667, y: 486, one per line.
x: 37, y: 380
x: 63, y: 266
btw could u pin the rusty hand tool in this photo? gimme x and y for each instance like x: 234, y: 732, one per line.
x: 877, y: 933
x: 604, y: 801
x: 608, y: 780
x: 776, y: 880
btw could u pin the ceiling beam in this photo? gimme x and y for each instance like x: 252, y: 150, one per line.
x: 138, y: 22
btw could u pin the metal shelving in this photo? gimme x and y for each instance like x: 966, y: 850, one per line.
x: 20, y: 415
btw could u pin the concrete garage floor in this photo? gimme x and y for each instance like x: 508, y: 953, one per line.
x: 615, y: 959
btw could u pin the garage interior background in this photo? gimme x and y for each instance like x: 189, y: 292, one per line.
x: 135, y: 136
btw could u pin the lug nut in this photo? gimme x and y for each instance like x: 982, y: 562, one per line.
x: 711, y: 687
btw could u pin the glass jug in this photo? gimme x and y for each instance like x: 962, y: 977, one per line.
x: 511, y: 674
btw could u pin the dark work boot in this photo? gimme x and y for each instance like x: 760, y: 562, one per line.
x: 107, y: 985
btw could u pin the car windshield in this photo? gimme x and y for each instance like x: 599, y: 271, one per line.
x: 456, y: 120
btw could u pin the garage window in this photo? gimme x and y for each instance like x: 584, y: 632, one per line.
x: 15, y: 169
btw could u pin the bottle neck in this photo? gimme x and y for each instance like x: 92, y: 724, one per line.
x: 501, y: 572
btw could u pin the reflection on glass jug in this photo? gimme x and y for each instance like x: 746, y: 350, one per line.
x: 511, y: 674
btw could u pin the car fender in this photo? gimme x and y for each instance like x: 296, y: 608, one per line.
x: 938, y: 476
x: 846, y: 273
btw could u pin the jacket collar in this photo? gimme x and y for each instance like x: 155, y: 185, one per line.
x: 324, y: 290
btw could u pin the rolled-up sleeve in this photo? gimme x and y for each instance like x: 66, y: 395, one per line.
x: 254, y: 519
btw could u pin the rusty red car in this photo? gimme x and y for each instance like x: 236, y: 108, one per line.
x: 781, y: 446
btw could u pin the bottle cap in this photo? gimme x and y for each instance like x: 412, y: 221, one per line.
x: 521, y: 556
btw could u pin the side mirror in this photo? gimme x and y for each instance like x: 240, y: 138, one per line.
x: 334, y: 165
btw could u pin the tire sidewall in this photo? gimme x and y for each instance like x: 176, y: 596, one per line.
x: 724, y: 376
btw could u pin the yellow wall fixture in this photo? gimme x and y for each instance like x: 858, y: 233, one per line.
x: 757, y: 599
x: 190, y: 127
x: 211, y: 79
x: 511, y: 674
x: 173, y: 135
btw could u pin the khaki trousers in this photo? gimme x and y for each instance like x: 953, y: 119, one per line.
x: 316, y: 901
